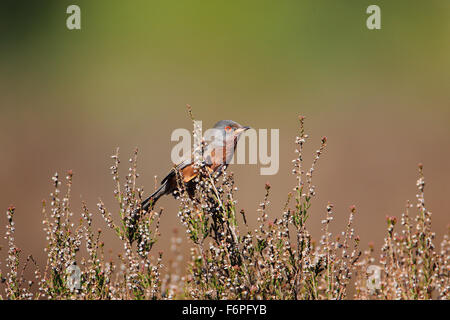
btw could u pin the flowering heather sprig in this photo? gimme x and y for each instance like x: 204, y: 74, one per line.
x: 64, y: 241
x: 12, y: 262
x: 347, y: 260
x: 16, y: 286
x: 303, y: 197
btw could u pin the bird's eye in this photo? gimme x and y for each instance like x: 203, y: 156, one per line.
x: 228, y: 128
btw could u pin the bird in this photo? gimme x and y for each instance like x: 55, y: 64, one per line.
x: 216, y: 154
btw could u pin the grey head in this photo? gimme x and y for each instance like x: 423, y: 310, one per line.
x: 230, y: 126
x: 225, y: 133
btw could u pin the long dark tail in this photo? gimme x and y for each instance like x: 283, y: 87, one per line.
x: 151, y: 200
x: 146, y: 205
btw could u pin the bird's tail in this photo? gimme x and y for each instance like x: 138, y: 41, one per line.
x: 151, y: 200
x: 146, y: 205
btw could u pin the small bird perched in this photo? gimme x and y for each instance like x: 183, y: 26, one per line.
x: 216, y: 154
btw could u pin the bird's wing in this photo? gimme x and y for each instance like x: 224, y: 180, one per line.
x: 179, y: 167
x: 187, y: 170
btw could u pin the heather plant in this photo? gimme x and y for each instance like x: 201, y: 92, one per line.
x: 228, y: 258
x: 277, y: 260
x: 134, y: 276
x: 413, y: 267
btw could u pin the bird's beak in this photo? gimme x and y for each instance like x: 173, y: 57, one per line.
x: 240, y: 130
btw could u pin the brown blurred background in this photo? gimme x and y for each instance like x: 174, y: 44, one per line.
x: 69, y: 98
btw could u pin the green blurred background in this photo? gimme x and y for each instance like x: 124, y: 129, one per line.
x: 382, y: 97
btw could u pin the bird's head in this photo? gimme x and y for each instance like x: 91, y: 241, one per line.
x: 230, y: 128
